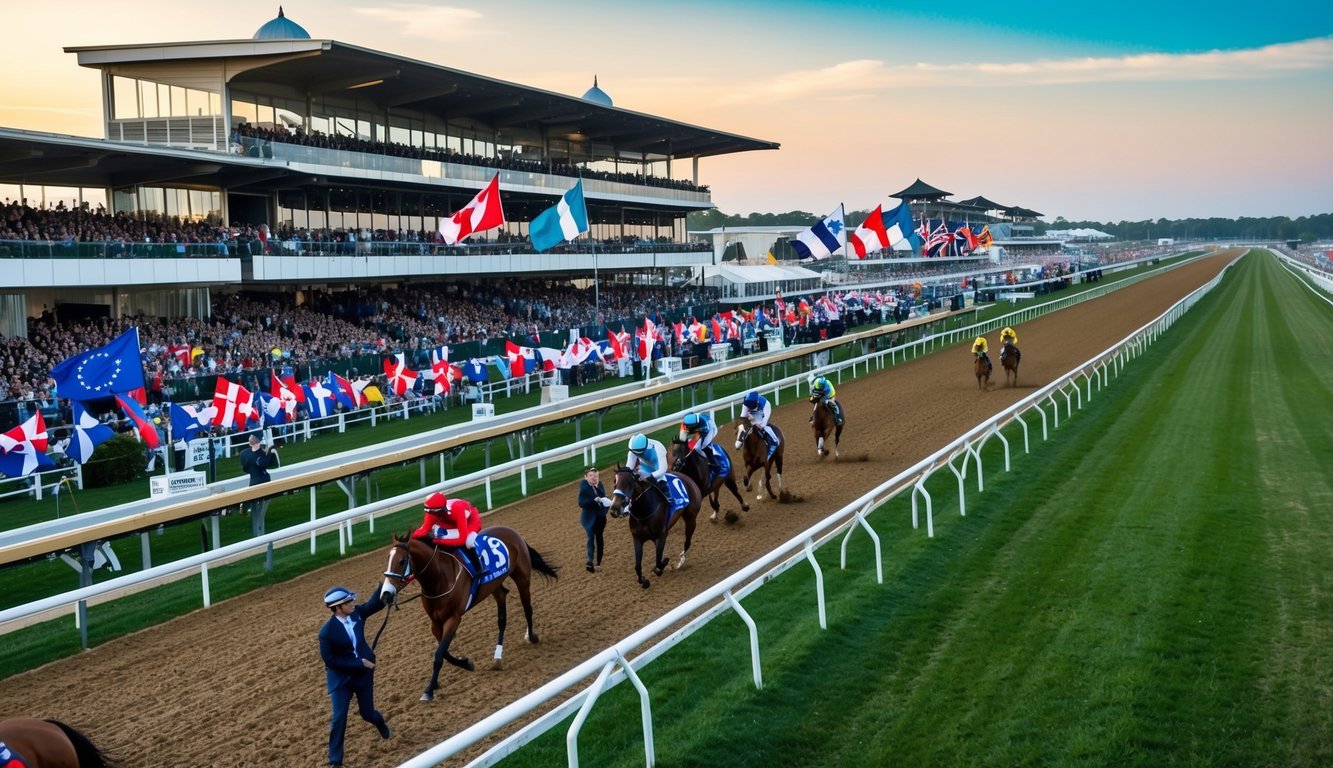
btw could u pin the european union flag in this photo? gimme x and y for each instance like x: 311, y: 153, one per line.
x: 103, y: 371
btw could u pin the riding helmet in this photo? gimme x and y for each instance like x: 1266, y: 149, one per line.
x: 691, y: 420
x: 638, y: 443
x: 752, y: 400
x: 436, y: 500
x: 337, y: 596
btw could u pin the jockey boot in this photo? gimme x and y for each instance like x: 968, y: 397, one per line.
x: 666, y: 492
x: 474, y: 557
x: 772, y: 444
x: 837, y: 412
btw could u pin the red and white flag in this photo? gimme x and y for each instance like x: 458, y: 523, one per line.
x: 647, y: 338
x: 483, y: 213
x: 232, y: 402
x: 871, y: 235
x: 618, y: 342
x: 401, y: 378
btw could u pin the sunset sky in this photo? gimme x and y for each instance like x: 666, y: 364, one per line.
x: 1138, y: 110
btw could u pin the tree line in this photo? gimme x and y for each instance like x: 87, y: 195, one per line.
x: 1305, y: 228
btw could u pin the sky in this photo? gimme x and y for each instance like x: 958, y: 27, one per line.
x: 1081, y: 110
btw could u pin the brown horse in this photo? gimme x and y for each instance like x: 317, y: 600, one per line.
x: 692, y: 463
x: 982, y: 369
x: 1009, y: 358
x: 824, y: 426
x: 48, y: 744
x: 754, y: 449
x: 649, y: 519
x: 446, y: 587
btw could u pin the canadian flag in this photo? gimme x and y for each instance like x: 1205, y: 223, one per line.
x: 483, y: 213
x: 400, y: 377
x: 231, y: 400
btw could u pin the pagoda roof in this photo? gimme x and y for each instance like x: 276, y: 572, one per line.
x: 920, y: 190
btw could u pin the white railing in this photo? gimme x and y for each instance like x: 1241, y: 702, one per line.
x: 612, y: 666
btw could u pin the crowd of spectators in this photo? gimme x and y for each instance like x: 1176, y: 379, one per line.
x: 247, y: 134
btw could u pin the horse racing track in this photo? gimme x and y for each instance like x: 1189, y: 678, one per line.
x: 242, y: 682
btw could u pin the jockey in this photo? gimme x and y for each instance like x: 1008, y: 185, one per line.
x: 1008, y: 335
x: 453, y: 523
x: 821, y: 390
x: 702, y: 428
x: 648, y: 460
x: 757, y: 410
x: 980, y: 348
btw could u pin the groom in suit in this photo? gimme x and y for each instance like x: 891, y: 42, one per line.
x: 349, y: 665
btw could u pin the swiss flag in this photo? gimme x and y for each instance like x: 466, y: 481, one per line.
x: 231, y: 400
x: 483, y: 213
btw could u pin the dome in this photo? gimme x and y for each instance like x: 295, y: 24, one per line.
x: 597, y: 95
x: 281, y: 28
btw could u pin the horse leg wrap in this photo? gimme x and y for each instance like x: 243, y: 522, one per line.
x: 499, y: 652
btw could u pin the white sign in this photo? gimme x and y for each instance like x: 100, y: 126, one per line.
x: 196, y: 451
x: 555, y: 393
x: 180, y: 482
x: 482, y: 411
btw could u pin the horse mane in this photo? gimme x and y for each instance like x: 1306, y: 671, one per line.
x: 88, y: 753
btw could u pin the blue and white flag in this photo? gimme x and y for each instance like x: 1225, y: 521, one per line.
x: 319, y: 399
x: 821, y: 240
x: 898, y: 225
x: 563, y: 221
x: 475, y: 371
x: 187, y: 423
x: 88, y: 434
x: 272, y: 409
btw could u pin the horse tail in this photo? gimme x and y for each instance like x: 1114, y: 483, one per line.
x: 89, y: 755
x: 540, y: 565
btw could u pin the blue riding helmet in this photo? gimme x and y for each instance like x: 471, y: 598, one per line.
x: 638, y: 443
x: 752, y: 401
x: 337, y: 596
x: 691, y: 420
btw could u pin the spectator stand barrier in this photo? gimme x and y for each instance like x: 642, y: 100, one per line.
x: 1309, y: 272
x: 351, y: 467
x: 962, y: 457
x: 39, y: 484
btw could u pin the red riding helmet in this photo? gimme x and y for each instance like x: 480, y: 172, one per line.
x: 436, y: 502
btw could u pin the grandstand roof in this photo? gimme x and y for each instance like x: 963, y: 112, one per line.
x: 982, y: 203
x: 289, y: 67
x: 920, y: 190
x: 1022, y: 213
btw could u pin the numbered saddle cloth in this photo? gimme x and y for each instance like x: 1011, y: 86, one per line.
x: 722, y: 461
x: 9, y: 758
x: 680, y: 495
x: 494, y: 557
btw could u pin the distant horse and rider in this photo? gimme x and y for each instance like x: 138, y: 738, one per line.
x: 33, y: 743
x: 652, y: 511
x: 761, y: 444
x: 1010, y: 355
x: 451, y: 586
x: 981, y: 366
x: 827, y: 418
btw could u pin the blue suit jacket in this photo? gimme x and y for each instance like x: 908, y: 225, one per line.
x: 342, y: 665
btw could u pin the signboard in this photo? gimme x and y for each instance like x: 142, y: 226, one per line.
x: 555, y: 393
x: 196, y: 451
x: 482, y: 411
x: 180, y: 482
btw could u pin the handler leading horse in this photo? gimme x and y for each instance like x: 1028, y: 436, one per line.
x: 448, y: 591
x: 693, y: 464
x: 754, y: 450
x: 35, y: 743
x: 650, y: 517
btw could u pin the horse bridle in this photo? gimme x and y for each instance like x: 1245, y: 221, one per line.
x: 629, y: 500
x: 407, y: 576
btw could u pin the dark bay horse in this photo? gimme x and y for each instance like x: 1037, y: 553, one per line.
x: 694, y: 464
x: 446, y: 587
x: 982, y: 369
x: 48, y: 744
x: 754, y: 451
x: 824, y: 426
x: 1009, y: 358
x: 648, y: 517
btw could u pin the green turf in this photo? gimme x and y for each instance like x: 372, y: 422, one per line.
x: 1149, y: 588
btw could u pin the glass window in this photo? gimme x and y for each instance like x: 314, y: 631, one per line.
x: 148, y: 99
x: 124, y: 98
x: 179, y: 106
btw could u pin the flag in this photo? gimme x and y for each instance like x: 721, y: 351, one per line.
x: 187, y: 423
x: 871, y: 235
x: 770, y: 258
x: 522, y: 360
x: 821, y: 240
x: 22, y: 449
x: 483, y: 213
x: 343, y: 391
x: 181, y: 352
x: 550, y: 359
x: 647, y: 339
x: 319, y: 398
x: 898, y: 224
x: 476, y: 372
x: 439, y: 354
x: 273, y: 409
x: 102, y: 371
x: 964, y: 240
x: 617, y: 342
x: 287, y: 391
x: 232, y: 402
x: 939, y: 237
x: 400, y: 377
x: 370, y: 392
x: 88, y: 434
x: 146, y: 429
x: 984, y: 239
x: 563, y: 221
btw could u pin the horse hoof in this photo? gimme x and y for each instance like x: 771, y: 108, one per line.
x: 498, y: 665
x: 467, y: 664
x: 745, y: 507
x: 643, y: 583
x: 428, y: 697
x: 532, y: 639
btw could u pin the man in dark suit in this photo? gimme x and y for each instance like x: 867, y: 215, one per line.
x: 256, y: 459
x: 349, y: 665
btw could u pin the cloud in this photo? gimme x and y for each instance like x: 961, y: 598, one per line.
x: 445, y: 23
x: 863, y: 76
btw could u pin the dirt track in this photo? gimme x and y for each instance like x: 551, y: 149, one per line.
x: 242, y: 684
